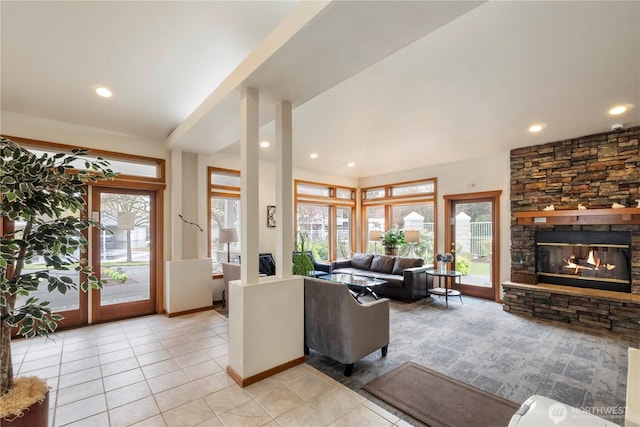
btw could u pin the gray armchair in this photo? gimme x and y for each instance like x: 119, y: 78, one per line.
x: 336, y: 325
x: 229, y: 272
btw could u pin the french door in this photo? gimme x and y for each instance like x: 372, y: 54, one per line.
x: 472, y: 236
x: 124, y: 253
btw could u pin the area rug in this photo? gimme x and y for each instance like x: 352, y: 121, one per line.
x: 440, y: 401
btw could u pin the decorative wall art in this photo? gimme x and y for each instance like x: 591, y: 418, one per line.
x: 271, y: 216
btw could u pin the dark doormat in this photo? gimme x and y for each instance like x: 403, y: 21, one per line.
x: 440, y: 401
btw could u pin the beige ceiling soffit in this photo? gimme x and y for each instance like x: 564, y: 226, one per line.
x: 292, y: 24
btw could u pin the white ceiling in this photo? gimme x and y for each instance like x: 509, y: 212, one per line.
x: 387, y: 85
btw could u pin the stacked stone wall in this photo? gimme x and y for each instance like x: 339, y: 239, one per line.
x: 595, y: 171
x: 592, y: 312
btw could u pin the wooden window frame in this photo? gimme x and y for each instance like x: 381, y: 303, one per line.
x: 333, y: 202
x: 389, y: 201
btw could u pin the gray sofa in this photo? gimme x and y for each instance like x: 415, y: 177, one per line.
x: 406, y: 278
x: 341, y: 328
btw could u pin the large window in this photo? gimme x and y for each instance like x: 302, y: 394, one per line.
x: 224, y: 213
x: 406, y: 206
x: 324, y: 216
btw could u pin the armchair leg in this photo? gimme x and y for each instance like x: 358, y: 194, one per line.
x: 348, y: 369
x: 306, y: 350
x: 383, y: 350
x: 224, y: 299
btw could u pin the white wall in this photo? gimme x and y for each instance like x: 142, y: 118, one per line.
x: 189, y: 206
x: 481, y: 174
x: 30, y: 127
x: 490, y: 173
x: 23, y: 126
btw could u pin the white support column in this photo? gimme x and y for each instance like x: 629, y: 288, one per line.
x: 203, y: 202
x: 284, y: 190
x: 249, y: 176
x: 266, y: 315
x: 176, y: 205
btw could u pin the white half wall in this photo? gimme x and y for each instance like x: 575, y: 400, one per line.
x: 266, y: 324
x: 189, y: 285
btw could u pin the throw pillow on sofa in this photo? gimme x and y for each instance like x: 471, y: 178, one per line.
x: 361, y: 261
x: 403, y: 263
x: 383, y: 263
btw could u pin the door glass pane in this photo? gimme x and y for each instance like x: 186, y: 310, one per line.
x: 59, y: 302
x: 225, y: 213
x: 125, y: 247
x: 313, y: 222
x: 473, y: 242
x: 343, y: 228
x: 417, y: 217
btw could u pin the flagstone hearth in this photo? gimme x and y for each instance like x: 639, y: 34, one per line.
x: 605, y: 310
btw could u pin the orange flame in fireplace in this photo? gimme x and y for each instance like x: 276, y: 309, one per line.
x: 592, y: 262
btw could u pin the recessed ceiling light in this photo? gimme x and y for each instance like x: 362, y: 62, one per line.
x: 535, y: 128
x: 314, y: 155
x: 618, y: 109
x: 264, y: 144
x: 350, y: 165
x: 103, y: 92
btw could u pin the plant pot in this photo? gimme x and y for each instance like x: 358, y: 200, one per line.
x: 36, y: 415
x: 391, y: 251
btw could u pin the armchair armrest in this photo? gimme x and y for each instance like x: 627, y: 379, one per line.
x: 415, y: 280
x: 345, y: 263
x: 368, y: 328
x: 322, y: 266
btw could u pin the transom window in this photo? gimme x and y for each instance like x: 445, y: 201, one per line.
x: 406, y: 206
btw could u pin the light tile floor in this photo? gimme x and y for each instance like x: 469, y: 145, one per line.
x: 160, y: 371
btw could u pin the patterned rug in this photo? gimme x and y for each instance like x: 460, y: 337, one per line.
x: 510, y: 356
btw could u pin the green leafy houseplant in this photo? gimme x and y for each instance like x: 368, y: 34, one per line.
x: 302, y: 264
x: 391, y: 240
x: 41, y: 198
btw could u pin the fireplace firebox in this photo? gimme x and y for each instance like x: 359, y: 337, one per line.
x: 587, y: 259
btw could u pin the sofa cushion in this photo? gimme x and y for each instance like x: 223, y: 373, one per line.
x: 402, y: 263
x: 383, y: 263
x: 392, y: 280
x: 361, y: 261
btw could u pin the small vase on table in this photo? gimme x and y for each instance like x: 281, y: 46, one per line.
x: 443, y: 267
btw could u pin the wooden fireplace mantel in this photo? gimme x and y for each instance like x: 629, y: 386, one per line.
x: 579, y: 217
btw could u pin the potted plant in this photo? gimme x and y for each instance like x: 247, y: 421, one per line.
x: 302, y: 263
x: 41, y: 197
x: 391, y: 240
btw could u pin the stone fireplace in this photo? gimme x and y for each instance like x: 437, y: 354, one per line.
x: 594, y: 171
